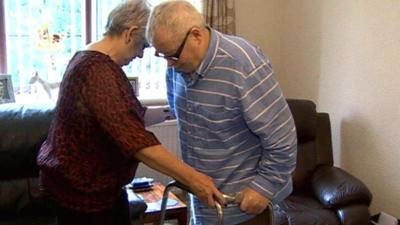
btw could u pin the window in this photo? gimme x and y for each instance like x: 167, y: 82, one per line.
x: 39, y: 38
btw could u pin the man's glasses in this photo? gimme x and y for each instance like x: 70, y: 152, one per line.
x: 177, y: 54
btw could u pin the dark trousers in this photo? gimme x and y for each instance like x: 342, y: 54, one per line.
x: 118, y: 215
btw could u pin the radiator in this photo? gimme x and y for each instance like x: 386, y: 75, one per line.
x: 167, y: 134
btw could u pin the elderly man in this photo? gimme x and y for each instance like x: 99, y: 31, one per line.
x: 233, y: 119
x: 98, y: 136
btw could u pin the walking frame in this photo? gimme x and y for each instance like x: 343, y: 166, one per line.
x: 231, y: 199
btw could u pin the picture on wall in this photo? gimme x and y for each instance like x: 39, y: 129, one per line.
x: 6, y: 89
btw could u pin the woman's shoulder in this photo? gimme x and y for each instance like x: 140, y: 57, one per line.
x: 90, y: 60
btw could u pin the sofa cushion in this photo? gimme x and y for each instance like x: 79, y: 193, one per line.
x: 306, y: 164
x: 298, y: 209
x: 23, y: 128
x: 21, y: 198
x: 305, y: 118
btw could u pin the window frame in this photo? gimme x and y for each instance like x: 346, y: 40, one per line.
x: 88, y: 35
x: 3, y: 44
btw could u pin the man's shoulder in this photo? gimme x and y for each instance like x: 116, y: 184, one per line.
x: 240, y: 53
x: 237, y: 44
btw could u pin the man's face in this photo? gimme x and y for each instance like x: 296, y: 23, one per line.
x: 179, y: 54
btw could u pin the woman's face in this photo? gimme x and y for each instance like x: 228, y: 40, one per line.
x: 135, y: 48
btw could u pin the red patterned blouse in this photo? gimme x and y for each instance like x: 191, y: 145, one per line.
x: 98, y: 126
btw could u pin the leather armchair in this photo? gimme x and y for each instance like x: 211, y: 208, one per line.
x: 23, y: 128
x: 322, y: 193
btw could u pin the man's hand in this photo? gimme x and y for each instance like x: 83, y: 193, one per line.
x: 253, y: 202
x: 203, y: 187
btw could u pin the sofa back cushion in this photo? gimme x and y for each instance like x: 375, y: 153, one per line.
x: 309, y: 150
x: 23, y: 128
x: 305, y: 118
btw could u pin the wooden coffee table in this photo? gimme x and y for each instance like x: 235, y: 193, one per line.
x: 153, y: 200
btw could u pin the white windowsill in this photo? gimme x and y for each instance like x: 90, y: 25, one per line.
x: 153, y: 102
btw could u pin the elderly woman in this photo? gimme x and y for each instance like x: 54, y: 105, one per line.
x: 98, y: 137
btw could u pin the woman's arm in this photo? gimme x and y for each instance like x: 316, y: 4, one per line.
x: 160, y: 159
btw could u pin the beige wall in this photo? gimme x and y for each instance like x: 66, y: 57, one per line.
x: 248, y: 25
x: 344, y: 55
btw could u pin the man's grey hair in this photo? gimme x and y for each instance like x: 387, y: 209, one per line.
x: 127, y: 14
x: 177, y: 17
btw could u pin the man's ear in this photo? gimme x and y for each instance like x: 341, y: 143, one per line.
x: 197, y: 34
x: 128, y: 35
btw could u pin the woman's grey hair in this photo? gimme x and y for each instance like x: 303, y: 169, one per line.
x: 176, y: 16
x: 127, y: 14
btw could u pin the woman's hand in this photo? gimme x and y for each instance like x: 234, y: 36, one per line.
x: 160, y: 159
x: 203, y: 187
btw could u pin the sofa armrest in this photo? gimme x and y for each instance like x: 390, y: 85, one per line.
x: 335, y: 188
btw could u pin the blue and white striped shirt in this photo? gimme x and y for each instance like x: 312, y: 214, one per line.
x: 234, y: 124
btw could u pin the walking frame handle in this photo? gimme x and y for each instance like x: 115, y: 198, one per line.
x: 234, y: 199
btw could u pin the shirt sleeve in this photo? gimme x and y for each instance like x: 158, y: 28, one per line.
x: 268, y: 116
x: 110, y: 99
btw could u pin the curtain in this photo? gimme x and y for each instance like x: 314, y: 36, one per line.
x: 220, y: 15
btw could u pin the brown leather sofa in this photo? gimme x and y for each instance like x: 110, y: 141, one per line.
x: 323, y: 194
x: 23, y: 128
